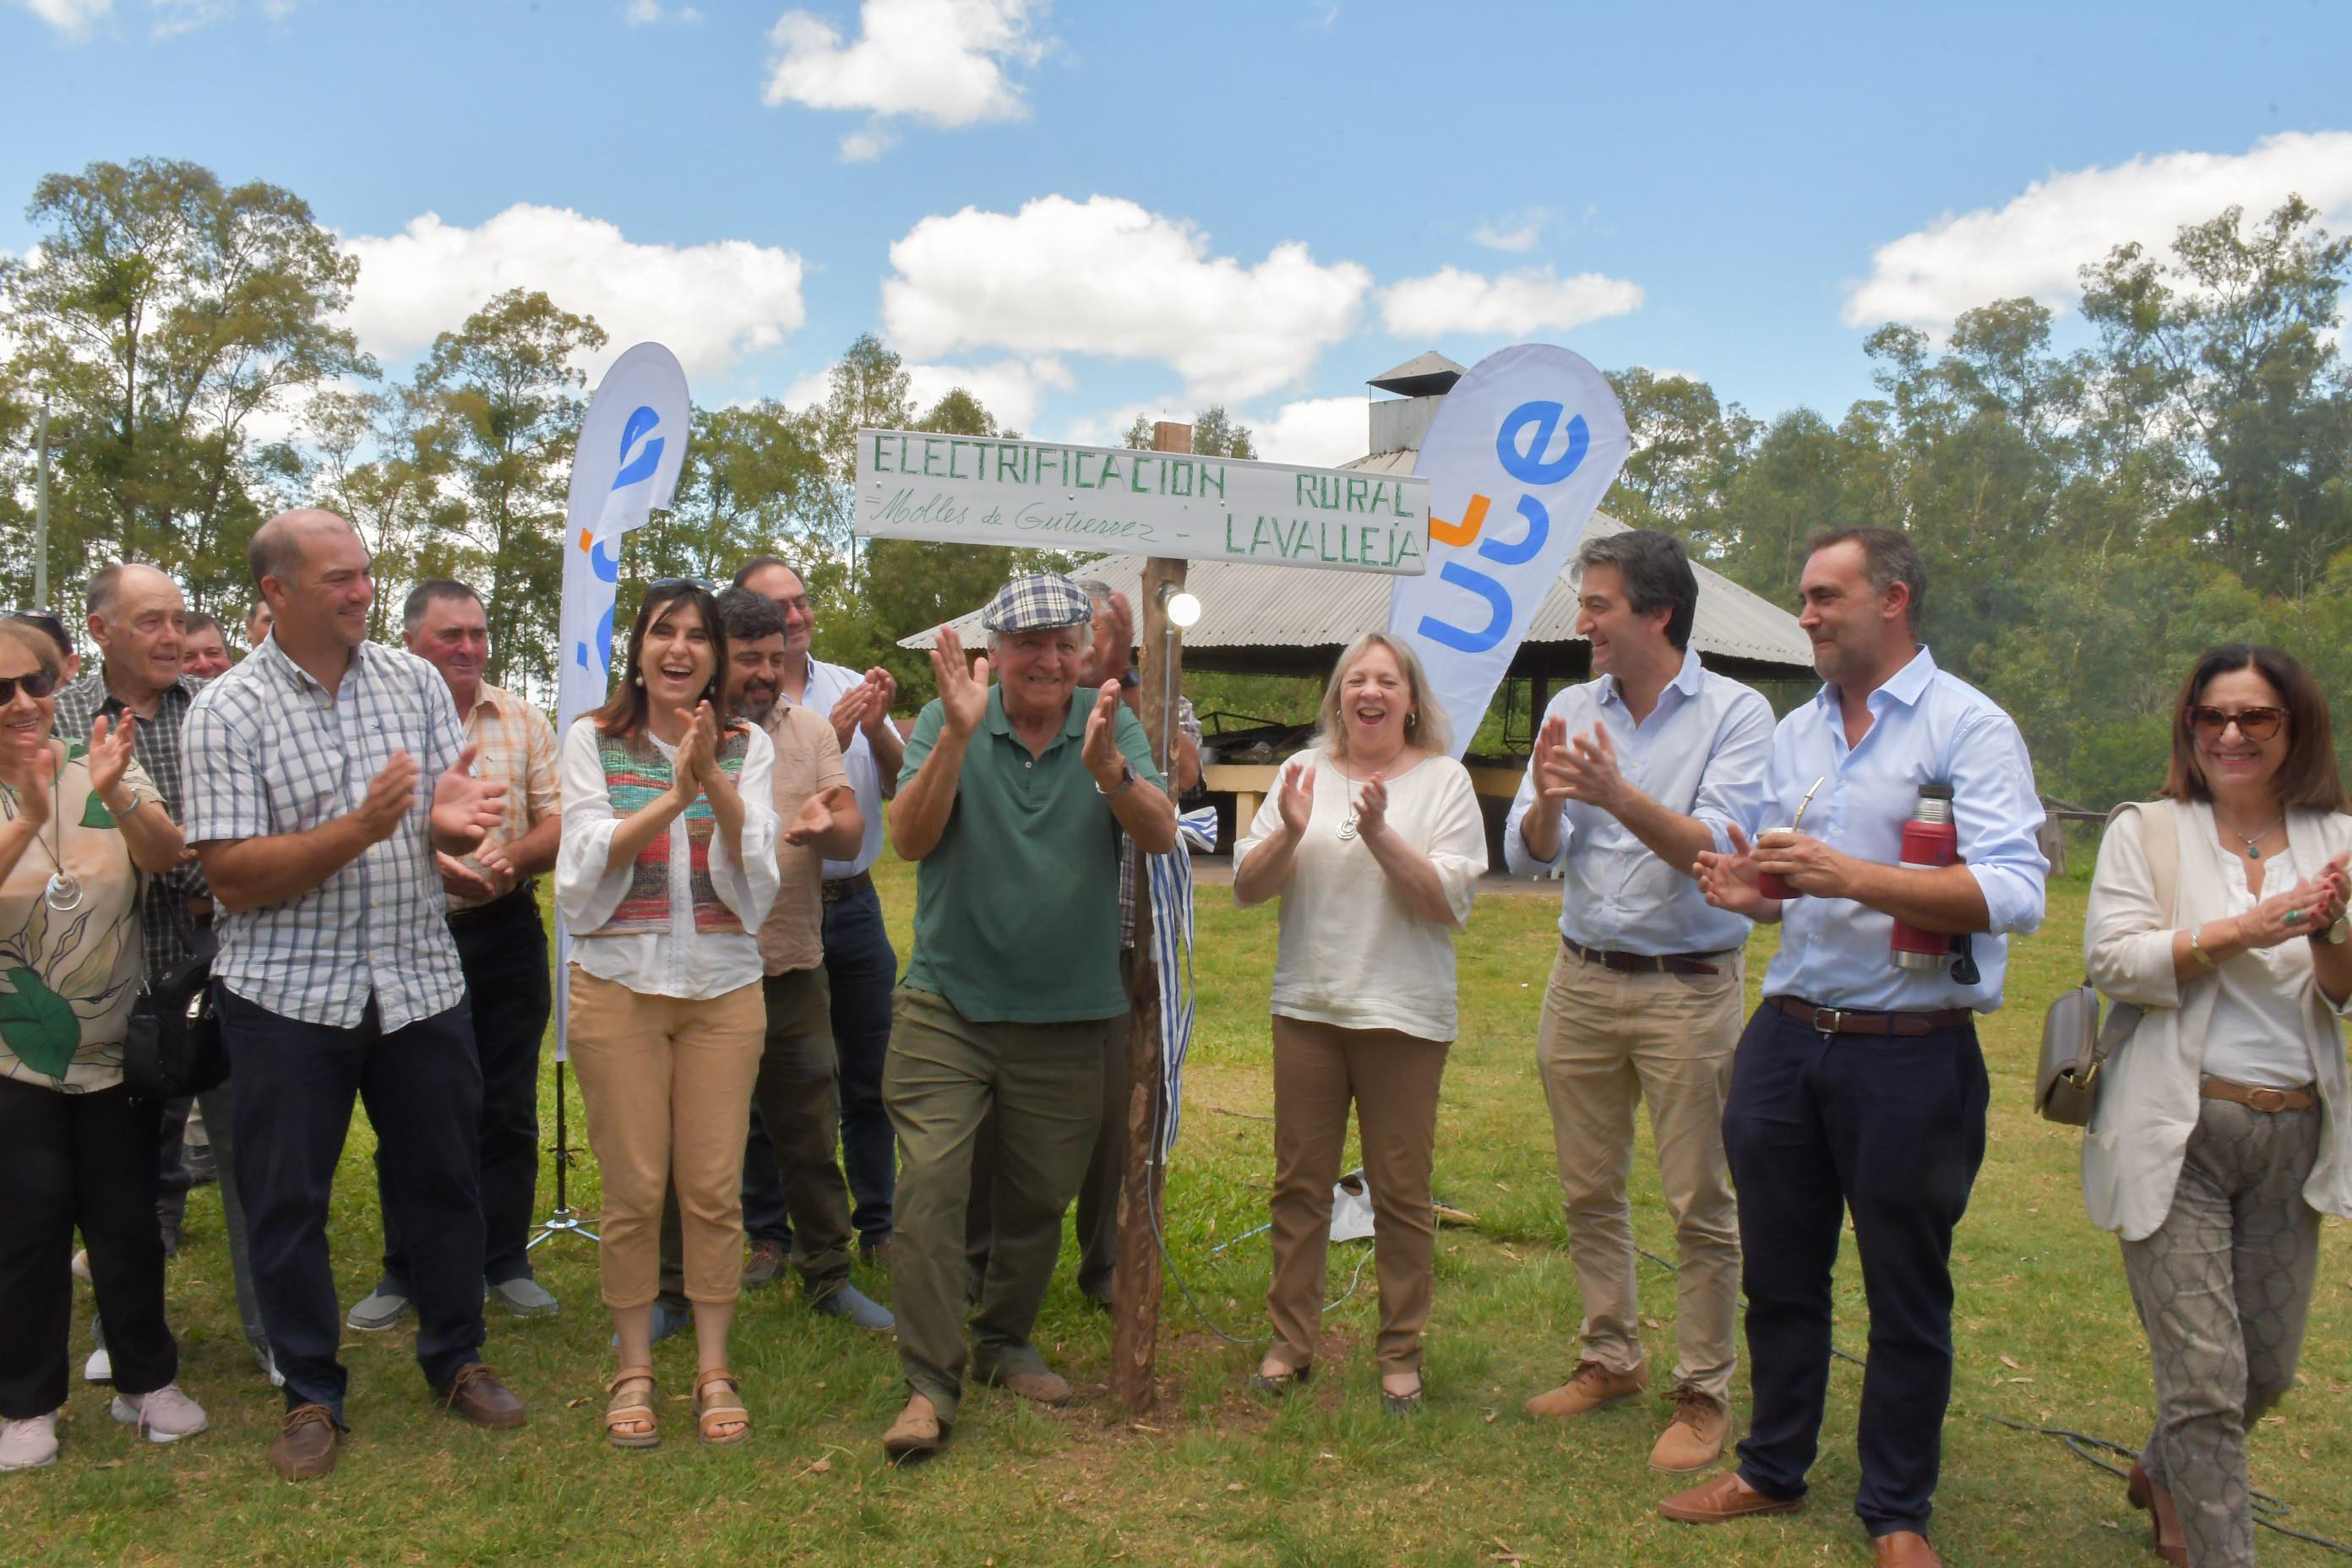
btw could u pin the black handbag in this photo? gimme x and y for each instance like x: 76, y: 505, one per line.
x: 174, y: 1047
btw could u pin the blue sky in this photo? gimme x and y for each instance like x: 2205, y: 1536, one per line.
x: 1089, y: 211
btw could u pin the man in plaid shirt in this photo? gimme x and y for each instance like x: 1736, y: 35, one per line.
x: 136, y: 617
x: 502, y: 947
x: 322, y: 774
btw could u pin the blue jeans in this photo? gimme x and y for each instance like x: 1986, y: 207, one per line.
x: 863, y: 970
x: 1892, y: 1130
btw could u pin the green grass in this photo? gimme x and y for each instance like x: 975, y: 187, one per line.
x: 2045, y: 1333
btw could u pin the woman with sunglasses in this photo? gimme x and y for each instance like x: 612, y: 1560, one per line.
x: 668, y: 868
x: 2218, y: 1141
x: 77, y: 827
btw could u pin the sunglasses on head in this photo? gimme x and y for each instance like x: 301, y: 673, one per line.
x: 37, y: 685
x: 2253, y: 723
x: 671, y: 585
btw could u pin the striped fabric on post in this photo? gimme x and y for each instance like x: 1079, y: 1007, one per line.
x: 1172, y: 957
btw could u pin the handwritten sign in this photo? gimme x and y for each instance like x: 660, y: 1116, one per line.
x: 975, y: 489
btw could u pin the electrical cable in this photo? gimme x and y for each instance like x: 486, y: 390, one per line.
x: 2268, y: 1509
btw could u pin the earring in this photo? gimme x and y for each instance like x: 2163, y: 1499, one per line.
x: 636, y: 678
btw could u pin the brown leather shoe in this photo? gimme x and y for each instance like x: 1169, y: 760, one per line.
x: 1589, y: 1387
x: 766, y: 1266
x: 1722, y: 1499
x: 1044, y: 1387
x: 1902, y: 1549
x: 918, y: 1432
x: 2165, y: 1534
x: 305, y: 1448
x: 1693, y: 1439
x: 476, y: 1394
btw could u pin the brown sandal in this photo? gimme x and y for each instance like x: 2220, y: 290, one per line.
x: 631, y: 1410
x: 711, y: 1416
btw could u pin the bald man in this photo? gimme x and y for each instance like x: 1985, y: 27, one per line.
x: 136, y: 617
x: 323, y: 774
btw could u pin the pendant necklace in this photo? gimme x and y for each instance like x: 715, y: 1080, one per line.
x: 63, y: 893
x: 2252, y: 852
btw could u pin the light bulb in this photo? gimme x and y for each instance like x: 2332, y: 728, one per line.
x: 1183, y: 609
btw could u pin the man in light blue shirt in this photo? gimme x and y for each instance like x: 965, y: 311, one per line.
x: 1860, y: 1086
x: 1634, y: 775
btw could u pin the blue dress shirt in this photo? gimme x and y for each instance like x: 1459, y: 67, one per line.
x: 1925, y: 727
x: 1702, y: 751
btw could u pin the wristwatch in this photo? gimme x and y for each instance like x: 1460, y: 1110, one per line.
x: 2336, y: 933
x: 1126, y: 778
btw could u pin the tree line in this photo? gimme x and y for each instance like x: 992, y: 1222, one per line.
x: 2092, y: 516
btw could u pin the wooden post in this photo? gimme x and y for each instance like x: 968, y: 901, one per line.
x: 1136, y: 1287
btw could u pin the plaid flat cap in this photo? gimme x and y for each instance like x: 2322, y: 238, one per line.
x: 1035, y: 602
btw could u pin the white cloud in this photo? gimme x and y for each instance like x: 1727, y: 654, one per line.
x: 74, y: 18
x: 710, y: 303
x: 2035, y: 244
x: 808, y: 391
x: 864, y: 146
x: 1315, y: 432
x: 1109, y: 429
x: 1515, y: 232
x: 1013, y: 390
x: 649, y: 13
x: 944, y: 62
x: 175, y: 17
x: 1534, y: 299
x: 1105, y: 276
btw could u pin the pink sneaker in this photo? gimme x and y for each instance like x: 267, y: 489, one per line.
x: 165, y: 1415
x: 29, y: 1444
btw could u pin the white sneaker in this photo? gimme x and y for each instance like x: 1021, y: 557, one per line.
x: 165, y: 1415
x: 100, y: 1367
x: 29, y: 1444
x: 81, y: 1266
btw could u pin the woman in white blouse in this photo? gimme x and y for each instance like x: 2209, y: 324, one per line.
x: 2218, y: 1141
x: 667, y: 869
x: 1374, y: 843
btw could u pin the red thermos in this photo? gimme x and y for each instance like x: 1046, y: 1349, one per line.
x: 1930, y: 840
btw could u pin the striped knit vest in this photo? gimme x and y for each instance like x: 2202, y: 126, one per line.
x: 637, y: 774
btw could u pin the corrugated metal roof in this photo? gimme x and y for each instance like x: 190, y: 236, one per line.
x: 1251, y: 606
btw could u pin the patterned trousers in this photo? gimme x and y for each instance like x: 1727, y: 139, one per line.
x: 2223, y: 1287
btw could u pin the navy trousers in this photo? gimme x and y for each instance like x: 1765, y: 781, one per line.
x: 1893, y: 1131
x: 423, y: 1089
x: 502, y: 948
x: 862, y: 971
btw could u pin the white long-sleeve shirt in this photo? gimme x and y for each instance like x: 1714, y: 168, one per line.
x: 681, y: 961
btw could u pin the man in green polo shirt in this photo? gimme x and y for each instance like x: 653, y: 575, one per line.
x: 1011, y: 799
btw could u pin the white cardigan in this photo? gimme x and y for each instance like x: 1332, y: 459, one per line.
x: 2148, y: 1100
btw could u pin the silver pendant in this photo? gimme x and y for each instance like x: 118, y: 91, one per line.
x: 63, y: 893
x: 1348, y: 831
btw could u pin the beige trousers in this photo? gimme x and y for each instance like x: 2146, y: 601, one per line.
x: 1608, y: 1041
x: 667, y: 1084
x: 1392, y: 1077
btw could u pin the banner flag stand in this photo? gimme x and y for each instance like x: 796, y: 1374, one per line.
x: 632, y: 445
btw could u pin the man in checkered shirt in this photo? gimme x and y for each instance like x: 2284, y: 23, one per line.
x: 322, y: 774
x: 135, y: 615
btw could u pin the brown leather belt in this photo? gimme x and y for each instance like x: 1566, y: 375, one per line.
x: 2269, y: 1102
x: 846, y: 888
x: 1843, y: 1021
x: 1649, y: 963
